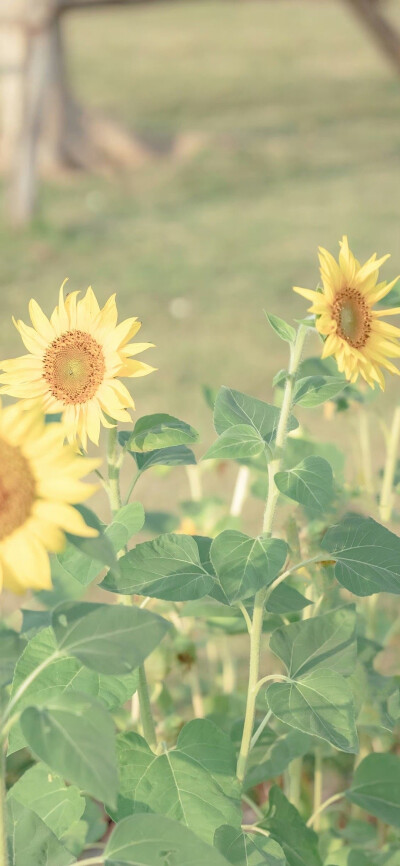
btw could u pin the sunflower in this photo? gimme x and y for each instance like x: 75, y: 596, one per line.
x: 74, y: 361
x: 361, y: 343
x: 39, y: 479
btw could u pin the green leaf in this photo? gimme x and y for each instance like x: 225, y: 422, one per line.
x: 319, y: 703
x: 30, y: 840
x: 277, y: 757
x: 173, y: 784
x: 326, y: 641
x: 33, y: 621
x: 126, y: 522
x: 286, y: 599
x: 376, y: 787
x: 314, y: 390
x: 367, y: 555
x: 244, y: 849
x: 57, y: 804
x: 244, y: 565
x: 98, y: 548
x: 160, y: 431
x: 299, y: 843
x: 310, y: 483
x: 233, y: 407
x: 238, y: 442
x: 159, y: 522
x: 203, y: 742
x: 11, y: 647
x: 75, y: 737
x: 111, y: 639
x: 285, y: 332
x: 168, y: 567
x: 152, y: 840
x: 62, y: 675
x: 178, y: 455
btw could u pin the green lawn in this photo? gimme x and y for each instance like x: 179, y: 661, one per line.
x: 293, y: 120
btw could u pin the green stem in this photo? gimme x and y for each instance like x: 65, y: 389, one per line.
x: 114, y: 493
x: 318, y: 778
x: 295, y: 772
x: 386, y: 498
x: 3, y: 825
x: 259, y: 601
x: 113, y: 470
x: 146, y: 715
x: 323, y: 806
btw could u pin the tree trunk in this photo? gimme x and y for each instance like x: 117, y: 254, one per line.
x: 43, y: 128
x: 382, y: 31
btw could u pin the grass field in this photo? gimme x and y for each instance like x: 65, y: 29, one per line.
x: 274, y: 126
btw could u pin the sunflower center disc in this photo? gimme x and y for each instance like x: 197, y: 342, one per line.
x: 74, y: 367
x: 353, y: 317
x: 17, y: 489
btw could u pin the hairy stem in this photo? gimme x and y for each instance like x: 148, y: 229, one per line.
x: 386, y: 497
x: 259, y: 601
x: 318, y: 779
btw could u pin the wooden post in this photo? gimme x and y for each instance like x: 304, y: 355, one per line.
x: 382, y: 31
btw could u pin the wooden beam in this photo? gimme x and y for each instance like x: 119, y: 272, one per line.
x: 382, y: 31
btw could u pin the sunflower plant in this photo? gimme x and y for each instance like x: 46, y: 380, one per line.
x: 216, y: 683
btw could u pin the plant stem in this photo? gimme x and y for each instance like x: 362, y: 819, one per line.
x: 295, y: 771
x: 146, y: 715
x: 3, y: 824
x: 258, y: 732
x: 386, y: 498
x: 317, y: 787
x: 24, y: 685
x: 259, y: 601
x: 365, y: 449
x: 323, y: 806
x: 114, y: 494
x: 240, y: 491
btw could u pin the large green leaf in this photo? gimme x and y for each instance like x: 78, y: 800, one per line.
x: 30, y: 840
x: 233, y: 407
x: 326, y: 641
x: 177, y: 455
x: 319, y: 703
x: 75, y: 737
x: 160, y: 431
x: 168, y: 567
x: 244, y: 565
x: 314, y: 390
x: 299, y: 843
x: 376, y: 787
x: 310, y: 483
x: 153, y: 840
x: 174, y: 784
x: 11, y: 647
x: 126, y: 522
x: 244, y: 849
x: 367, y: 555
x: 57, y: 804
x: 204, y: 742
x: 277, y: 757
x: 62, y: 675
x: 98, y: 548
x: 286, y: 599
x: 239, y: 442
x: 111, y: 639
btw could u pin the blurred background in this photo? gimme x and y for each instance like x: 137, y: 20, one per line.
x: 191, y: 156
